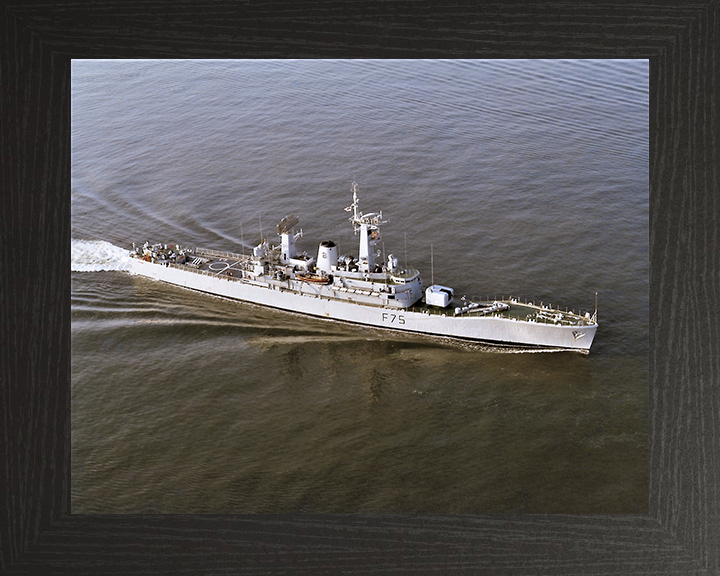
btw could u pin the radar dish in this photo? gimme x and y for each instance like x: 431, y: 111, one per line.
x: 287, y: 224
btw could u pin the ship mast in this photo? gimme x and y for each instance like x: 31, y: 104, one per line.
x: 286, y: 231
x: 368, y: 225
x: 432, y: 265
x: 595, y: 315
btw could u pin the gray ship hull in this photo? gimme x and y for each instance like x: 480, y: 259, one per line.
x: 365, y: 307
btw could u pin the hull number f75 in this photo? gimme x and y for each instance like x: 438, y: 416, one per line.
x: 391, y: 318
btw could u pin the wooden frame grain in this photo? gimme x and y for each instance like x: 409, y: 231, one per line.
x: 679, y: 535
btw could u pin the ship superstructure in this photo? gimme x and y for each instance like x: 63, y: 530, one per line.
x: 360, y: 289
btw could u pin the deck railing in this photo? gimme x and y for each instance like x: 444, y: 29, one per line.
x: 219, y: 253
x: 198, y: 271
x: 450, y: 313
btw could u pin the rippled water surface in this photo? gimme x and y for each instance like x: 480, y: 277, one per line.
x: 528, y: 178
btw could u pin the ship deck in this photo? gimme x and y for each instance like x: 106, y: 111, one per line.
x: 229, y: 265
x: 517, y: 310
x: 221, y: 266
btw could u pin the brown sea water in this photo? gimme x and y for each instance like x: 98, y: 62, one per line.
x: 529, y: 178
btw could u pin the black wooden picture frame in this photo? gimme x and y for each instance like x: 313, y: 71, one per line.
x: 681, y: 531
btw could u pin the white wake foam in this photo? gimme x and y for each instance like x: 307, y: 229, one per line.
x: 97, y: 256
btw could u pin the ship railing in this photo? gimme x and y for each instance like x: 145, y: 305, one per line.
x: 567, y: 317
x: 219, y: 253
x: 535, y: 320
x: 449, y: 312
x: 202, y: 272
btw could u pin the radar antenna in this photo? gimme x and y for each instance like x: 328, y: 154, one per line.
x: 372, y: 219
x: 287, y: 224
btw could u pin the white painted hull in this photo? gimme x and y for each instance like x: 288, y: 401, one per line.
x: 497, y: 330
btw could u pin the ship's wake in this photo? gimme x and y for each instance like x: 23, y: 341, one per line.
x: 98, y: 256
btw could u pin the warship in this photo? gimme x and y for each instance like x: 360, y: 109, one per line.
x: 360, y: 289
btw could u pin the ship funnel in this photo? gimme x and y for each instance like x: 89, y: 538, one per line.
x: 327, y: 256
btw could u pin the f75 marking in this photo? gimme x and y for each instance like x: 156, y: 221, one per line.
x: 391, y: 318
